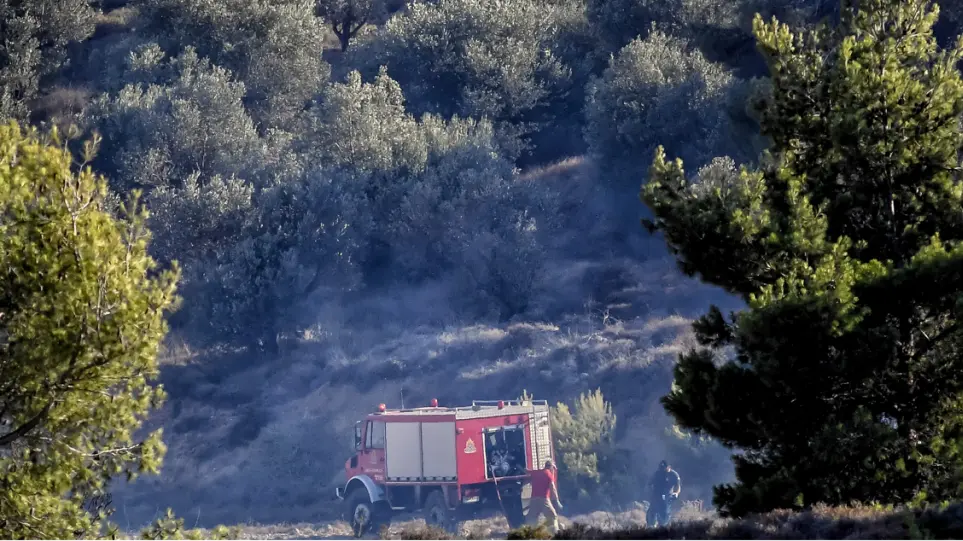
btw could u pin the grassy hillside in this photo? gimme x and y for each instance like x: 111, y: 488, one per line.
x: 254, y: 438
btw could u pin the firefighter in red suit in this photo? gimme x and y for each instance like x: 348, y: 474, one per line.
x: 543, y: 492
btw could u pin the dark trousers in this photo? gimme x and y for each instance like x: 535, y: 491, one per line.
x: 660, y: 510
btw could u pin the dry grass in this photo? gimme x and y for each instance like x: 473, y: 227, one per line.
x: 422, y: 531
x: 863, y: 522
x: 115, y: 21
x: 820, y: 523
x: 265, y: 440
x: 61, y: 104
x: 558, y: 172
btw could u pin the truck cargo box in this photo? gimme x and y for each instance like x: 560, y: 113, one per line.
x: 420, y: 451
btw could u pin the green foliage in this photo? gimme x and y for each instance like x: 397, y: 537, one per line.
x: 474, y: 58
x: 438, y: 195
x: 582, y: 439
x: 530, y: 532
x: 81, y: 319
x: 618, y: 22
x: 274, y: 47
x: 720, y: 28
x: 365, y: 186
x: 179, y: 117
x: 839, y: 382
x: 171, y: 527
x: 658, y: 89
x: 35, y: 38
x: 382, y: 189
x: 252, y: 284
x: 188, y: 136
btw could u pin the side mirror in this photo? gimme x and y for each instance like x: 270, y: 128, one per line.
x: 357, y: 436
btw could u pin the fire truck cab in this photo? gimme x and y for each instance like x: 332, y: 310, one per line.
x: 446, y: 462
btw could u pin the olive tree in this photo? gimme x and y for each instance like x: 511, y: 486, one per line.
x: 185, y: 116
x: 438, y: 196
x: 474, y: 58
x: 618, y: 22
x: 298, y: 244
x: 348, y: 17
x: 722, y: 29
x: 273, y: 46
x: 81, y: 319
x: 35, y: 37
x: 658, y: 91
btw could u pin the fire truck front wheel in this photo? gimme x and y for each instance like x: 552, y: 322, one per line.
x: 365, y: 516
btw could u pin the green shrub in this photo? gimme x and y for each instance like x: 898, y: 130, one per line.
x: 171, y: 527
x: 530, y: 532
x: 583, y: 439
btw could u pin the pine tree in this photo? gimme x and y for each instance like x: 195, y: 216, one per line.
x: 843, y: 379
x: 81, y: 319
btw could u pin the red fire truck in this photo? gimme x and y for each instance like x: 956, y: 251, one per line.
x: 447, y: 462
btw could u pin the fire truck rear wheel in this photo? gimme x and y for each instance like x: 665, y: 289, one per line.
x: 437, y: 512
x: 365, y: 516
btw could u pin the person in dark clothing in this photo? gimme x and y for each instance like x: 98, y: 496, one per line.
x: 666, y: 486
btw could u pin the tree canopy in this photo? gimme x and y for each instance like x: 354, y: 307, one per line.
x: 81, y: 317
x: 348, y: 17
x: 845, y: 244
x: 35, y: 37
x: 632, y: 105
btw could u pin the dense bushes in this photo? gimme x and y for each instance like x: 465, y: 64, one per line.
x: 655, y: 90
x: 177, y: 117
x: 438, y: 198
x: 618, y: 22
x: 475, y: 58
x: 380, y: 196
x: 36, y: 36
x: 402, y: 172
x: 274, y: 47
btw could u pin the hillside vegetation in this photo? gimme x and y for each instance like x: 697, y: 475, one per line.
x: 846, y: 522
x: 371, y: 201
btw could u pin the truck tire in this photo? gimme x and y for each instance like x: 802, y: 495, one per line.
x: 365, y: 516
x: 437, y: 512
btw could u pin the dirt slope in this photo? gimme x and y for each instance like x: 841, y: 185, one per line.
x: 264, y: 440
